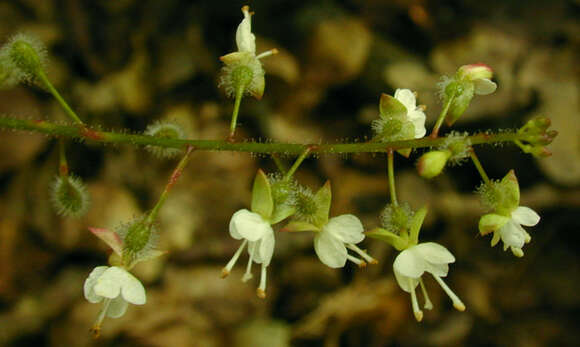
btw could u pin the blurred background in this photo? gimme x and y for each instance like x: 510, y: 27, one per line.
x: 124, y: 64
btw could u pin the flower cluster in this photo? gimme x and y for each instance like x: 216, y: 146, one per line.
x: 279, y: 203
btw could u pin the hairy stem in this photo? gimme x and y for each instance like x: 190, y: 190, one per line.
x: 172, y: 180
x: 67, y: 109
x: 106, y: 137
x: 391, y: 174
x: 478, y: 166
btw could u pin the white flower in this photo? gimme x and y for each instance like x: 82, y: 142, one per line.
x: 410, y: 265
x: 512, y: 234
x: 338, y: 234
x: 259, y: 236
x: 116, y: 288
x: 246, y: 58
x: 415, y: 114
x: 480, y: 75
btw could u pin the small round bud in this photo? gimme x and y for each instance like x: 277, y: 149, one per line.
x: 475, y: 71
x: 69, y: 196
x: 164, y: 130
x: 27, y: 55
x: 431, y: 164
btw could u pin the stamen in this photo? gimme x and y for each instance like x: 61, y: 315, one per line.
x: 267, y: 53
x: 457, y: 303
x: 428, y: 305
x: 362, y: 253
x: 261, y: 291
x: 357, y: 261
x: 96, y: 329
x: 226, y: 270
x: 248, y: 275
x: 415, y: 304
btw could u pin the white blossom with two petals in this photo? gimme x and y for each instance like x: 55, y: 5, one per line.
x: 415, y: 113
x: 413, y: 262
x: 116, y: 288
x: 512, y: 234
x: 338, y: 234
x: 258, y: 234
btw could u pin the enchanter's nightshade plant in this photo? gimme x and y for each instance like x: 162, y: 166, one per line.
x: 254, y: 228
x: 334, y: 235
x: 400, y: 128
x: 400, y: 117
x: 415, y: 258
x: 243, y: 72
x: 413, y: 262
x: 457, y: 92
x: 506, y: 223
x: 116, y: 288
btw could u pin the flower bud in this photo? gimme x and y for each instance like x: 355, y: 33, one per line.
x: 431, y: 164
x: 475, y: 71
x: 69, y: 196
x: 164, y: 130
x: 27, y: 55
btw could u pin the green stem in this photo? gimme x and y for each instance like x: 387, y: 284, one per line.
x: 297, y: 163
x: 441, y: 118
x: 237, y: 102
x: 391, y: 174
x: 106, y: 137
x: 62, y: 163
x: 59, y: 98
x: 172, y: 180
x: 478, y: 166
x: 279, y: 164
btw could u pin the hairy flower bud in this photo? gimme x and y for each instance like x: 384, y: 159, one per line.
x: 164, y: 130
x: 27, y: 56
x: 69, y: 196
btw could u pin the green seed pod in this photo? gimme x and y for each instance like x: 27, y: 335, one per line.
x: 139, y: 240
x: 164, y: 130
x: 27, y: 56
x: 69, y: 196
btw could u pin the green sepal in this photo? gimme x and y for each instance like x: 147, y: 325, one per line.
x: 298, y: 226
x: 389, y: 107
x: 399, y: 242
x: 262, y: 201
x: 282, y: 212
x: 406, y: 152
x: 415, y: 225
x: 508, y: 193
x: 462, y: 93
x: 322, y: 198
x: 491, y: 222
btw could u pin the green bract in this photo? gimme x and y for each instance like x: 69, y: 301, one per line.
x: 262, y: 202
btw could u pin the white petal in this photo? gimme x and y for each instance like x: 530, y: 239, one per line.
x: 407, y: 98
x: 346, y: 228
x: 117, y: 307
x: 525, y: 216
x: 512, y: 235
x: 330, y: 250
x: 115, y: 281
x: 419, y: 124
x: 245, y: 40
x: 484, y: 86
x: 90, y: 282
x: 267, y: 248
x: 248, y: 225
x: 433, y: 253
x: 439, y: 270
x: 409, y: 264
x: 403, y: 282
